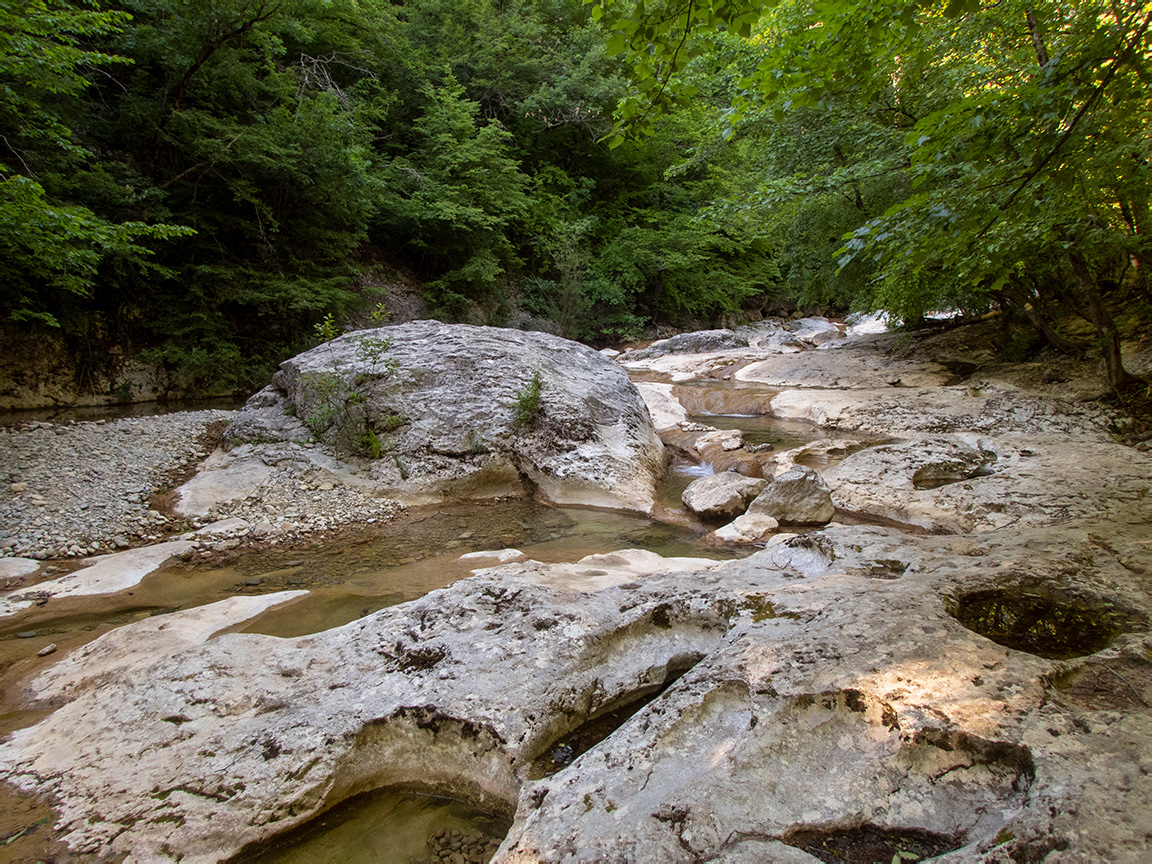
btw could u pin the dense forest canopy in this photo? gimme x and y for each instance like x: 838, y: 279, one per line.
x: 205, y: 180
x: 993, y: 154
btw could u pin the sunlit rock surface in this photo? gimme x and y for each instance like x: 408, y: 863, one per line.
x: 830, y: 686
x: 977, y: 483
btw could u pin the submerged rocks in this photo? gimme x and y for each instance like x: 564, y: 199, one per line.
x: 429, y: 411
x: 799, y: 496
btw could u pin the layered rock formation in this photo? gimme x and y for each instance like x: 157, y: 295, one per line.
x: 834, y: 684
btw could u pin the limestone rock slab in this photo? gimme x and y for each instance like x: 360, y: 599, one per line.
x: 663, y: 406
x: 118, y: 652
x: 105, y: 574
x: 845, y: 369
x: 1022, y: 481
x: 990, y: 409
x: 807, y: 704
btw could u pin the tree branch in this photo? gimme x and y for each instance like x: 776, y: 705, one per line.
x: 204, y: 164
x: 1084, y: 109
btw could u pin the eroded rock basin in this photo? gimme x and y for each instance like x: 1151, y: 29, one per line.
x: 388, y: 825
x: 346, y: 575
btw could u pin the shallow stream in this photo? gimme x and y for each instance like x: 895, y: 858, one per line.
x: 359, y: 571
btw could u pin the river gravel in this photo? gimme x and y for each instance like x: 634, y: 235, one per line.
x: 75, y: 489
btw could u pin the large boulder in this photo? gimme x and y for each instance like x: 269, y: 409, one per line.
x: 797, y: 497
x: 720, y: 497
x: 428, y: 411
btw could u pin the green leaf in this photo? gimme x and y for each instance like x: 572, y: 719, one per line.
x: 617, y: 42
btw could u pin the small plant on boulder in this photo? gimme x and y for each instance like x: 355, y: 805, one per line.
x: 527, y: 404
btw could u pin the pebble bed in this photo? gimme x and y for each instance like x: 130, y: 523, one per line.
x: 78, y: 489
x: 459, y: 847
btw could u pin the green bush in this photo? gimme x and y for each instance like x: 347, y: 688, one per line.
x: 527, y: 404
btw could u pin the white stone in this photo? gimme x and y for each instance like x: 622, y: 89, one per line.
x: 664, y: 408
x: 13, y: 568
x: 501, y: 555
x: 747, y: 528
x: 105, y: 575
x: 223, y: 479
x: 222, y: 527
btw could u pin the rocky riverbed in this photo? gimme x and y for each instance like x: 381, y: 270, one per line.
x: 89, y: 488
x: 958, y: 664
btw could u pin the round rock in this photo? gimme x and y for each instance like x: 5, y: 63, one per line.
x: 720, y: 497
x: 799, y: 496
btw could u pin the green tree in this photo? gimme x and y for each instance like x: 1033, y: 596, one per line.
x: 456, y: 196
x: 51, y: 250
x: 1020, y: 172
x: 254, y: 124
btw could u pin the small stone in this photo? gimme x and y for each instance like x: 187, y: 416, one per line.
x: 26, y: 634
x: 18, y: 487
x: 46, y: 650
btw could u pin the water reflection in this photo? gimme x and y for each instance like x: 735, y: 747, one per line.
x: 387, y: 826
x: 408, y: 558
x: 781, y: 434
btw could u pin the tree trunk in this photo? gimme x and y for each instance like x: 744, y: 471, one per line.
x: 1037, y: 38
x: 1119, y: 379
x: 1016, y: 297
